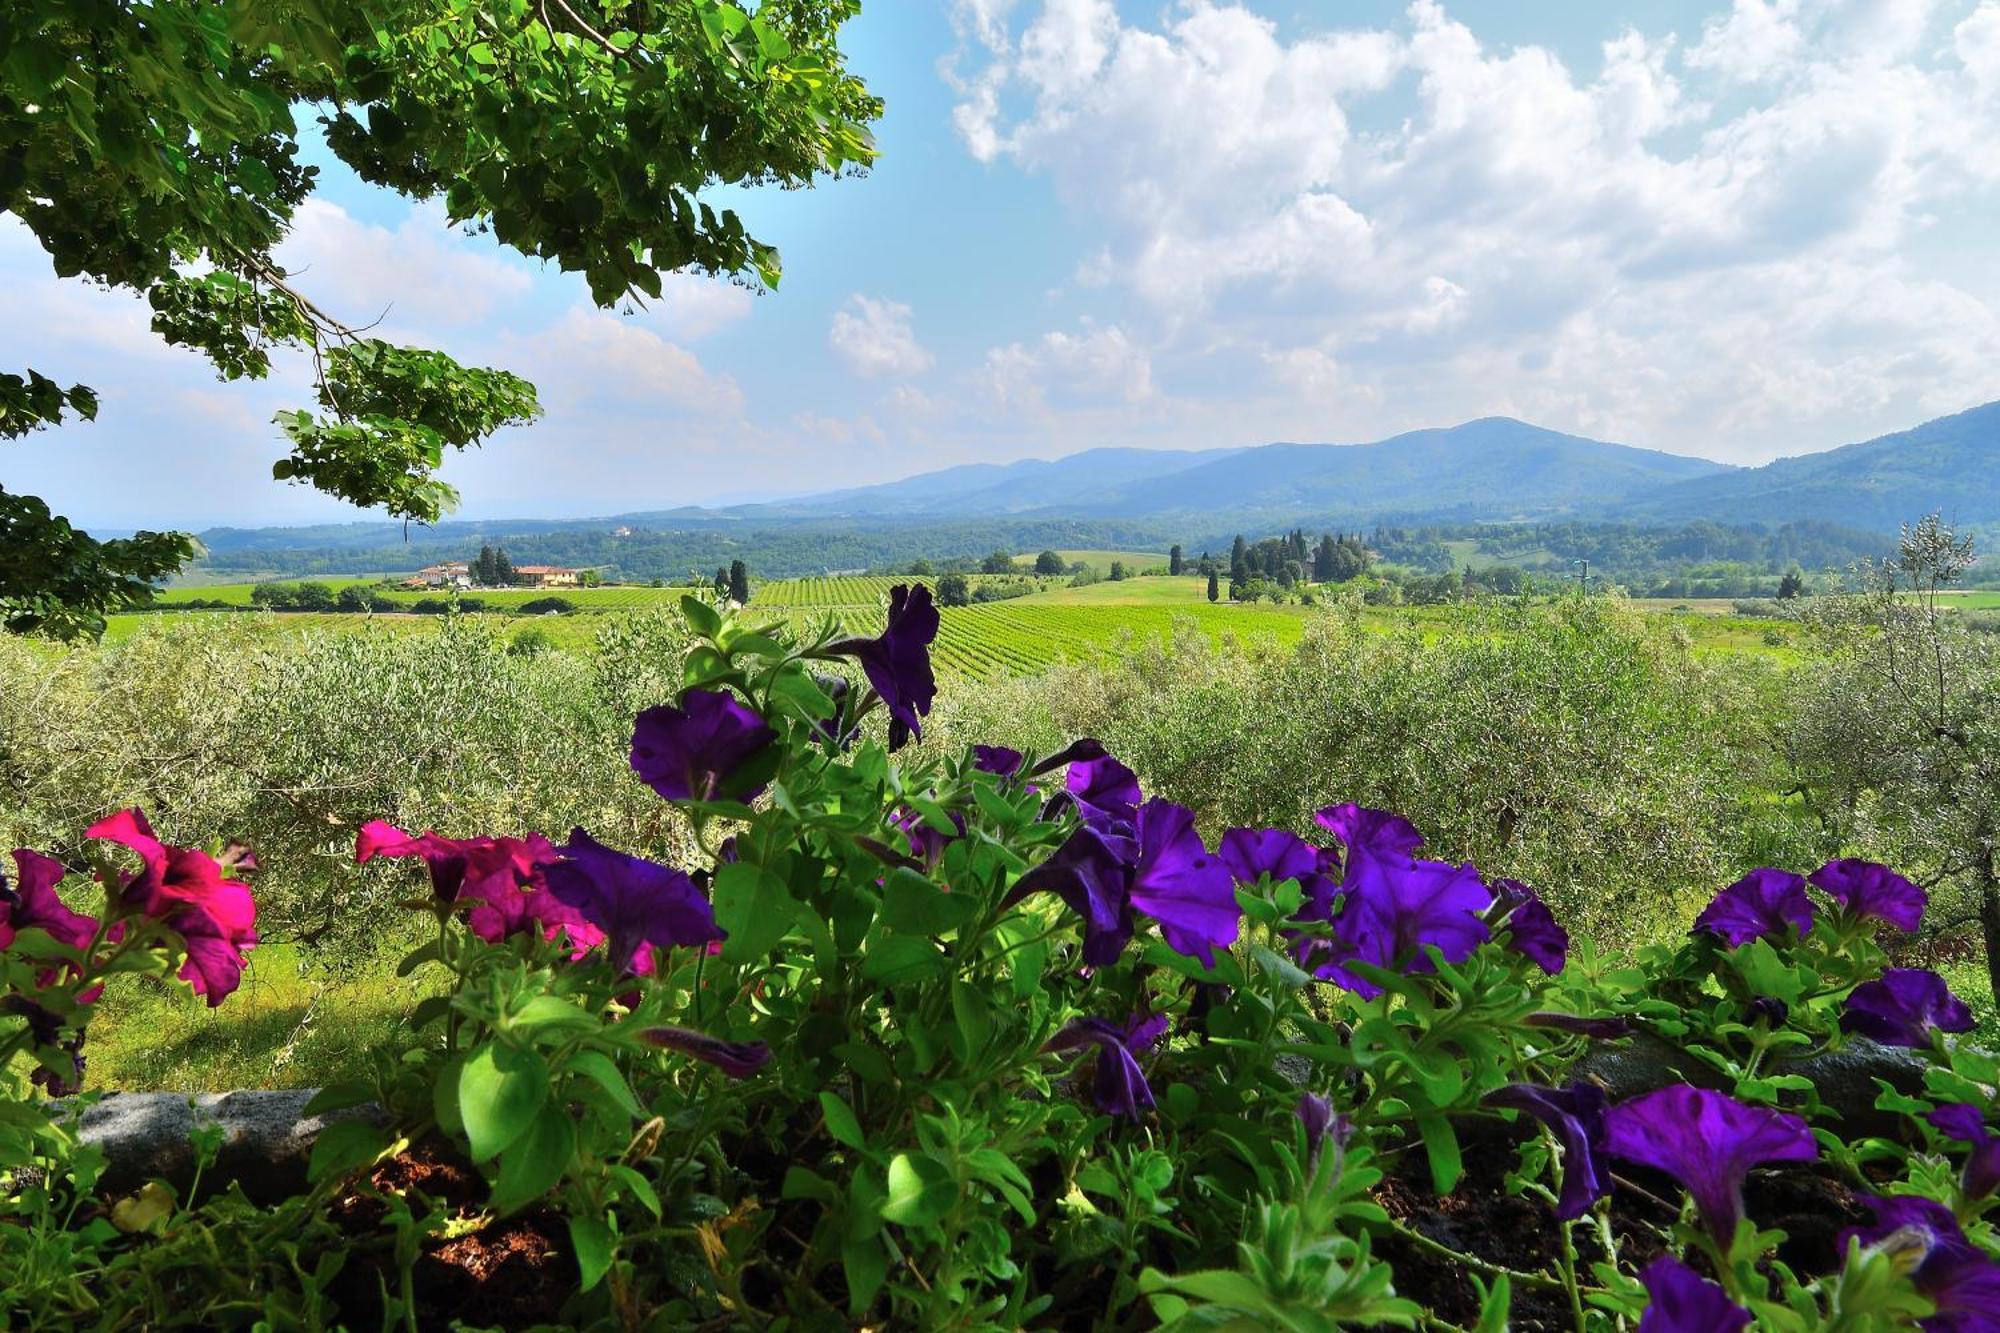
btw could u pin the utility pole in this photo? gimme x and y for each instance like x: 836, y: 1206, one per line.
x: 1583, y: 578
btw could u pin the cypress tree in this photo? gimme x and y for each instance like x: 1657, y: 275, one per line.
x: 1239, y: 561
x: 721, y: 581
x: 739, y: 582
x: 1214, y: 587
x: 1175, y: 564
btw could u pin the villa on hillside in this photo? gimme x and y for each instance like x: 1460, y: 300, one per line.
x: 456, y: 574
x: 546, y: 576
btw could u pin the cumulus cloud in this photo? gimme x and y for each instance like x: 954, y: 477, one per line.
x: 873, y: 336
x: 1707, y: 244
x: 1089, y: 368
x: 420, y: 274
x: 592, y: 362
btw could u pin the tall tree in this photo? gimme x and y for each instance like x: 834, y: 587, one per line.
x: 503, y: 568
x: 721, y: 581
x: 484, y: 569
x: 1048, y: 562
x: 739, y: 583
x: 1175, y: 564
x: 1239, y: 563
x: 1323, y: 560
x: 154, y: 145
x: 1214, y: 588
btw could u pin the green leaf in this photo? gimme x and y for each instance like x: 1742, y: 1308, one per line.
x: 902, y: 959
x: 536, y: 1161
x: 638, y: 1187
x: 914, y: 905
x: 974, y: 1032
x: 921, y: 1191
x: 345, y: 1146
x: 599, y: 1069
x: 702, y: 618
x: 754, y: 907
x: 1441, y: 1146
x: 550, y: 1011
x: 841, y: 1121
x: 590, y: 1240
x: 500, y: 1089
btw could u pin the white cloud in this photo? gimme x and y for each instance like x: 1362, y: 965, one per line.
x: 873, y: 336
x: 592, y: 362
x: 1705, y: 246
x: 694, y: 305
x: 421, y: 275
x: 1089, y: 368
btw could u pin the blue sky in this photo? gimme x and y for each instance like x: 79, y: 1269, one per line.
x: 1735, y: 228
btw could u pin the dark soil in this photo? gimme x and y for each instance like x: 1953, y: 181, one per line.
x: 508, y: 1273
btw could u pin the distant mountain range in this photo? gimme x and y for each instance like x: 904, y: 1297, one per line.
x: 1493, y: 470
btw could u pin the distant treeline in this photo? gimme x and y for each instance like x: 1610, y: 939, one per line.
x: 1635, y: 554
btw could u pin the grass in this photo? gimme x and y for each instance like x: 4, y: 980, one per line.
x: 293, y: 1024
x: 1101, y: 560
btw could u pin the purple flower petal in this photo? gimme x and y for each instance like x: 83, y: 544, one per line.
x: 692, y: 752
x: 996, y: 759
x: 1092, y: 873
x: 31, y: 902
x: 1708, y: 1142
x: 1106, y: 794
x: 898, y: 661
x: 1119, y: 1087
x: 1765, y: 903
x: 1378, y: 830
x: 1252, y: 853
x: 636, y: 903
x: 1869, y: 890
x: 1575, y: 1115
x: 1957, y: 1276
x: 1394, y: 906
x: 1982, y: 1167
x: 738, y: 1059
x: 1683, y: 1301
x: 1903, y: 1007
x: 1182, y: 885
x: 1532, y: 930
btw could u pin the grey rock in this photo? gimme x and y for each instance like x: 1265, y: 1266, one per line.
x: 1845, y: 1078
x: 267, y: 1138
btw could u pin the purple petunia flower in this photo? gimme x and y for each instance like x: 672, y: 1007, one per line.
x: 1763, y: 904
x: 1575, y: 1115
x: 1903, y: 1007
x: 1252, y: 853
x: 997, y: 759
x: 1120, y: 1086
x: 692, y: 752
x: 638, y: 904
x: 1106, y: 794
x: 1394, y: 905
x: 898, y: 660
x: 1956, y: 1275
x: 1182, y: 885
x: 1681, y: 1300
x: 31, y: 903
x: 1866, y: 889
x: 1358, y: 826
x: 1163, y: 870
x: 926, y: 843
x: 1532, y: 930
x: 1708, y: 1141
x: 738, y: 1059
x: 1967, y: 1125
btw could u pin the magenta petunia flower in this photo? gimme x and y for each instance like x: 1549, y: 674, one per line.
x: 738, y: 1059
x: 1681, y: 1300
x: 898, y: 661
x: 1763, y: 904
x: 1866, y: 889
x: 186, y: 890
x: 996, y: 759
x: 1532, y: 930
x: 1903, y: 1007
x: 31, y: 902
x: 1106, y: 794
x: 1982, y: 1167
x: 1708, y: 1142
x: 1575, y: 1115
x: 1394, y: 906
x: 1956, y: 1275
x: 500, y: 878
x: 693, y: 752
x: 638, y: 904
x: 1119, y: 1087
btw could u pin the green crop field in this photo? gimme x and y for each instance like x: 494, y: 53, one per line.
x: 1101, y: 560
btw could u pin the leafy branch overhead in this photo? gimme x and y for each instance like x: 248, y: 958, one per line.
x: 156, y: 147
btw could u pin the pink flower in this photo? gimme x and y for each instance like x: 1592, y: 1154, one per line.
x: 503, y: 879
x: 186, y: 890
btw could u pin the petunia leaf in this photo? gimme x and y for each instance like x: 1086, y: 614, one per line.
x: 500, y: 1089
x: 921, y: 1191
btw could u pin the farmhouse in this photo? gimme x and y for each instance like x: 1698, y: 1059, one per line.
x: 545, y: 576
x: 456, y: 574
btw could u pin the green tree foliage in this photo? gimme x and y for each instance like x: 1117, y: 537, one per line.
x: 954, y: 590
x: 355, y: 598
x: 721, y: 581
x: 1239, y: 563
x: 1117, y: 571
x: 1175, y: 563
x: 739, y: 583
x: 492, y: 568
x: 155, y: 146
x: 1213, y: 591
x: 1048, y: 562
x: 997, y: 562
x: 1792, y: 585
